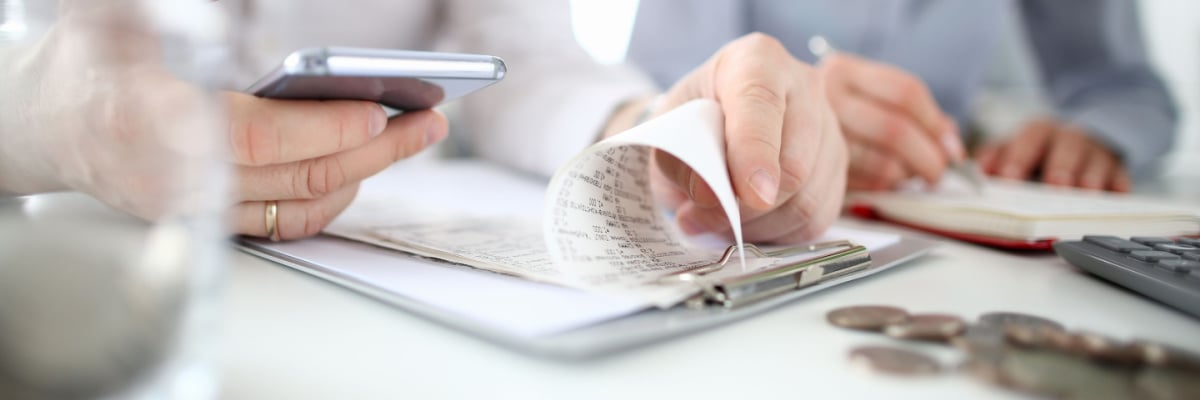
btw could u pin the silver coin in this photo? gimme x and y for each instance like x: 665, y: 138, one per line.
x: 932, y: 327
x: 1005, y: 319
x: 867, y: 318
x: 894, y: 361
x: 980, y: 339
x: 1063, y: 375
x: 1167, y: 384
x: 984, y: 369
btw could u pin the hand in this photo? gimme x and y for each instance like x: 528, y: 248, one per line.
x: 894, y: 127
x: 91, y: 108
x: 1059, y: 154
x: 309, y: 156
x: 786, y: 155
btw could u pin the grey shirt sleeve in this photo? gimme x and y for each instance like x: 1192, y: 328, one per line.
x: 1098, y: 76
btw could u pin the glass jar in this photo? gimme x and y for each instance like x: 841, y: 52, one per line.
x: 109, y: 286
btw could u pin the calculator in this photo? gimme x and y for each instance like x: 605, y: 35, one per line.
x: 1164, y: 269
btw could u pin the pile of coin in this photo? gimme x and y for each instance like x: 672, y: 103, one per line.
x: 1027, y: 353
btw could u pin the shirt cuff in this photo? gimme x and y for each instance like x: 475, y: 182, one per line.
x: 1137, y: 138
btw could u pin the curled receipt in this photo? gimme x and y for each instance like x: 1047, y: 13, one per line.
x: 602, y: 230
x: 602, y: 225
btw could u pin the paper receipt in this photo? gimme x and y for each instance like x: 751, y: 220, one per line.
x: 602, y: 224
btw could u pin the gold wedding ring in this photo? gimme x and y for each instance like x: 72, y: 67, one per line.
x: 272, y: 226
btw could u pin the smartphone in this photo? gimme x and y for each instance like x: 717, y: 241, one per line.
x: 400, y: 79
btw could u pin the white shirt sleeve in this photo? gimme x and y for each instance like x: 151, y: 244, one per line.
x: 555, y: 98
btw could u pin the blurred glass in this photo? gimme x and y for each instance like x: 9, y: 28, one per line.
x: 114, y: 295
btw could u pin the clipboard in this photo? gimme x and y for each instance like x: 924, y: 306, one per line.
x: 717, y: 301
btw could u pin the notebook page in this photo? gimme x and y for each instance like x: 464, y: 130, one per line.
x: 1034, y: 201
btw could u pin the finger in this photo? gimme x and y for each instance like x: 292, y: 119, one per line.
x: 894, y: 134
x: 1121, y: 181
x: 803, y: 216
x: 685, y: 180
x: 267, y: 131
x: 1065, y: 157
x: 791, y: 216
x: 294, y: 218
x: 988, y: 158
x: 813, y: 206
x: 830, y: 186
x: 1097, y: 170
x: 875, y: 170
x: 665, y: 191
x: 754, y: 108
x: 404, y: 136
x: 1025, y: 151
x: 752, y: 81
x: 811, y: 142
x: 951, y: 139
x: 892, y: 86
x: 694, y: 220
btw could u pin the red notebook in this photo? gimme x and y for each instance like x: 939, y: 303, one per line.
x: 1028, y: 216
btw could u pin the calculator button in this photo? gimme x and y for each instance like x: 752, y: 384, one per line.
x: 1189, y: 241
x: 1152, y: 255
x: 1151, y: 240
x: 1183, y: 266
x: 1195, y: 256
x: 1114, y: 243
x: 1175, y: 248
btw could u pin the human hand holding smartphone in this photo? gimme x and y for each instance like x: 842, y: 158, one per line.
x: 312, y: 129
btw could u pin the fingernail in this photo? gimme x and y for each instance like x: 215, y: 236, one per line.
x: 954, y: 146
x: 378, y: 121
x: 765, y: 186
x: 434, y: 132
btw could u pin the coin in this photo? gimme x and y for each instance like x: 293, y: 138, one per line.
x: 1105, y: 348
x: 1032, y: 371
x: 1004, y: 319
x: 1063, y: 375
x: 984, y: 369
x: 932, y: 327
x: 980, y: 338
x: 894, y: 361
x: 1163, y: 355
x: 1043, y: 337
x: 866, y: 318
x: 1167, y: 384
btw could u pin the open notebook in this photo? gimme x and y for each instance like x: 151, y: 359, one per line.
x: 1025, y: 215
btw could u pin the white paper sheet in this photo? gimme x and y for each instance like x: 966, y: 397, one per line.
x: 504, y: 303
x: 602, y: 229
x: 418, y: 193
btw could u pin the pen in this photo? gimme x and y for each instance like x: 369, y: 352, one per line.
x: 820, y: 47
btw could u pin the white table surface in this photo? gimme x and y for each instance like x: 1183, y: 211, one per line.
x: 288, y: 335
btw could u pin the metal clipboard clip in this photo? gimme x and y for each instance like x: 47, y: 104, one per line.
x: 743, y: 289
